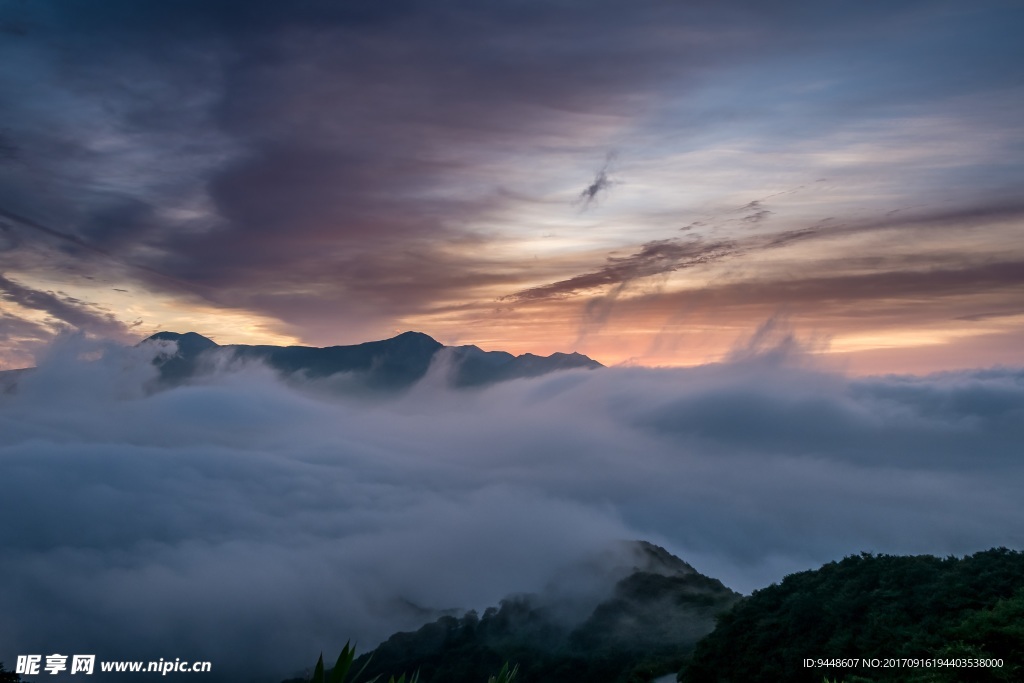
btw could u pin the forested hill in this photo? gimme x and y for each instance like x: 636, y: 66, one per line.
x: 646, y: 625
x: 868, y: 607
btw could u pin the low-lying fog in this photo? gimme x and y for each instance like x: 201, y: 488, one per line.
x: 255, y: 523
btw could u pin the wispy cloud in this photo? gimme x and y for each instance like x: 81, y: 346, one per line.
x: 600, y: 185
x: 65, y: 309
x: 757, y: 212
x: 654, y: 258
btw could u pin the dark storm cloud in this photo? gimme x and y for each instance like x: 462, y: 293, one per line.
x: 373, y: 91
x: 316, y: 134
x: 339, y: 126
x: 307, y: 191
x: 253, y: 524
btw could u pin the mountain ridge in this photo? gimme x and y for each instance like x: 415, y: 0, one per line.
x: 388, y: 364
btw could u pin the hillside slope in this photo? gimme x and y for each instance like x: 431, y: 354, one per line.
x: 866, y: 607
x: 646, y: 624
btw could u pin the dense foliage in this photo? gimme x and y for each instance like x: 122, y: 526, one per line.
x: 874, y: 607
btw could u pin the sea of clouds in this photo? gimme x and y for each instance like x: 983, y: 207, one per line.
x: 253, y: 522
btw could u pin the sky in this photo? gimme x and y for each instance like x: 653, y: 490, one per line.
x: 254, y: 523
x: 646, y: 183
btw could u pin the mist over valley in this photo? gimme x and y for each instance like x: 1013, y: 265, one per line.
x: 252, y: 518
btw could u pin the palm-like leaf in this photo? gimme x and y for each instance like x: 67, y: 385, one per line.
x: 340, y: 672
x: 505, y: 675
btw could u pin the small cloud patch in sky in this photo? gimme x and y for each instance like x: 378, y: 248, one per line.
x: 601, y: 184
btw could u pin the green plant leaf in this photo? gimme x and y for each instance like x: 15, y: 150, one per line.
x: 344, y: 663
x: 318, y: 672
x: 505, y: 675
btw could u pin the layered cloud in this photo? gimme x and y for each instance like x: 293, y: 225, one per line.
x: 253, y: 524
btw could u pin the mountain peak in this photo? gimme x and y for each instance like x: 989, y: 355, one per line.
x: 412, y: 334
x: 192, y: 340
x: 409, y: 340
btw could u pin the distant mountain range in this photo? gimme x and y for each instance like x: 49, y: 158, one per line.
x: 389, y: 364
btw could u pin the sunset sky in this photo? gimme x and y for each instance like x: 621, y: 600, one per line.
x: 643, y: 182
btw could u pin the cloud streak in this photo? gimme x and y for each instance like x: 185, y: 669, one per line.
x: 665, y: 256
x: 654, y: 258
x: 601, y: 184
x: 66, y: 309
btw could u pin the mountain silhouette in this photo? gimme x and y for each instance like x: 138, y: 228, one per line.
x: 388, y: 364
